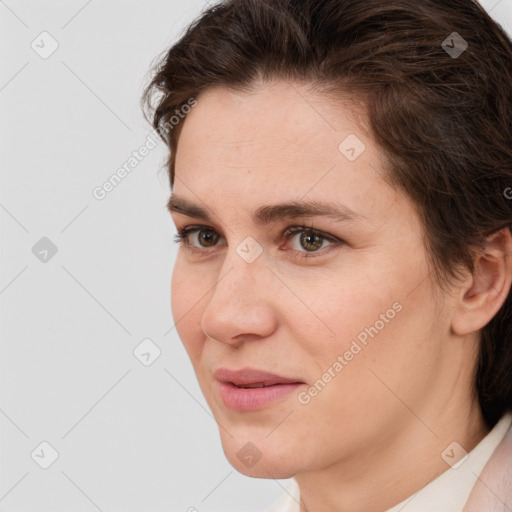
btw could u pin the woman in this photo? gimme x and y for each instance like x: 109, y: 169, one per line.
x: 340, y: 176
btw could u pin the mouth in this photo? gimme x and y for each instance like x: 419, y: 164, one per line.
x: 255, y: 385
x: 249, y: 390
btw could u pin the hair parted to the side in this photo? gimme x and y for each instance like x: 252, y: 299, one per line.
x: 443, y: 124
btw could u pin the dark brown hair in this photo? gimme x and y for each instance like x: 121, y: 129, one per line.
x: 442, y: 120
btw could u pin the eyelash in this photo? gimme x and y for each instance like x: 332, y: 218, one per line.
x: 183, y: 234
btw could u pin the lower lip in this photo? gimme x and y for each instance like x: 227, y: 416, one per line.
x: 252, y: 399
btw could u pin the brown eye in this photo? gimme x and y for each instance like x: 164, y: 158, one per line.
x: 198, y: 237
x: 311, y: 241
x: 307, y: 242
x: 207, y: 237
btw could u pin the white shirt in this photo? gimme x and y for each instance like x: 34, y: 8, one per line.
x: 447, y: 493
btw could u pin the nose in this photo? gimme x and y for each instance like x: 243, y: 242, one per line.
x: 240, y: 307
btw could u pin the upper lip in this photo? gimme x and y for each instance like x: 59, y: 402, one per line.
x: 247, y: 376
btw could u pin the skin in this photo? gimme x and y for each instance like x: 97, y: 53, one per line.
x: 375, y: 433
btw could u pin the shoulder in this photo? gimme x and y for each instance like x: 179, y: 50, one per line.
x: 493, y: 489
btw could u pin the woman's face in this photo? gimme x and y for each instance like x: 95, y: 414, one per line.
x: 341, y: 324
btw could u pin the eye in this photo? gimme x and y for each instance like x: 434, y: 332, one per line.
x: 200, y: 237
x: 305, y: 241
x: 308, y: 240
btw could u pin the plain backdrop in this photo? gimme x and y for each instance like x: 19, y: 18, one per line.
x: 84, y: 281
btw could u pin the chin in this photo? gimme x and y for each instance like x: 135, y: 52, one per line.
x: 259, y: 457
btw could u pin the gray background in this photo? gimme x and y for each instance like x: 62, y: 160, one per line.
x: 129, y: 437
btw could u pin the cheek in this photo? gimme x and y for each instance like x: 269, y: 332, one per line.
x: 327, y: 311
x: 186, y: 306
x: 370, y: 318
x: 382, y: 348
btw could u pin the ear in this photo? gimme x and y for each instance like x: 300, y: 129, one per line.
x: 486, y: 289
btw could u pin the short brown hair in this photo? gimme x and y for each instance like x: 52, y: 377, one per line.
x: 442, y: 120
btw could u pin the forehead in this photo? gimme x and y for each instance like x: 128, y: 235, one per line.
x: 278, y: 138
x: 280, y: 117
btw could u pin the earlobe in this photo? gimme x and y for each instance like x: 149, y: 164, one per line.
x: 487, y: 288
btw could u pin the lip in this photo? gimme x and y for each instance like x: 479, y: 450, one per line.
x: 250, y: 399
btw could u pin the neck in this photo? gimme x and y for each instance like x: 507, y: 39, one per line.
x: 399, y: 465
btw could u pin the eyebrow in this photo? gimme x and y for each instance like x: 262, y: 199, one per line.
x: 273, y: 212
